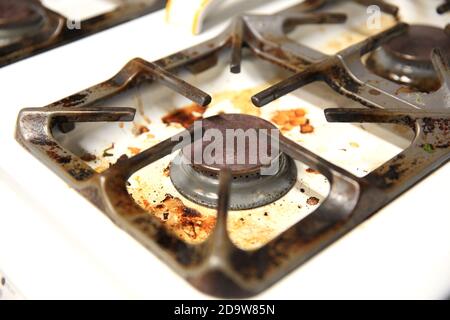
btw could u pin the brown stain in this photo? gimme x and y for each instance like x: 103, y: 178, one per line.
x: 62, y: 159
x: 312, y: 201
x: 185, y: 116
x: 88, y: 157
x: 139, y: 129
x: 74, y: 100
x: 188, y: 223
x: 241, y: 99
x: 405, y: 90
x: 166, y: 171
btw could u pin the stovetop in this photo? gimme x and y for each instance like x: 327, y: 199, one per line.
x: 372, y: 139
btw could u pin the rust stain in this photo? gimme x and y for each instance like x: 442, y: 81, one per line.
x: 185, y: 116
x: 188, y: 223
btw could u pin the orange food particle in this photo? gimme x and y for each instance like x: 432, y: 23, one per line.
x: 287, y: 119
x: 307, y: 128
x: 300, y: 112
x: 134, y: 150
x: 299, y: 121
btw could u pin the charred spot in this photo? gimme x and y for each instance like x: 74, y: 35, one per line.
x: 88, y: 157
x: 59, y: 158
x: 189, y: 212
x: 393, y: 173
x: 42, y: 142
x: 340, y: 76
x: 168, y: 196
x: 428, y: 125
x: 407, y: 120
x: 80, y: 174
x: 74, y: 100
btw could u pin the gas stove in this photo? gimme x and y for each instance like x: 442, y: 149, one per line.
x: 28, y: 27
x: 355, y: 118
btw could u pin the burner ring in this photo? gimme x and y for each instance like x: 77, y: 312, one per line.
x: 247, y: 191
x: 20, y: 17
x: 407, y: 59
x: 242, y: 154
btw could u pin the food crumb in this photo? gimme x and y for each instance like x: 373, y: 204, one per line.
x: 307, y: 128
x: 312, y: 201
x: 88, y: 157
x: 289, y: 119
x: 134, y: 151
x: 106, y: 152
x: 139, y: 129
x: 166, y: 171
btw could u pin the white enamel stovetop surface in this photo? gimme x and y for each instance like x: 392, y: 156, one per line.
x: 54, y: 244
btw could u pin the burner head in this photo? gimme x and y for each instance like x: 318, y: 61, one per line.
x: 244, y: 160
x: 19, y: 17
x: 407, y: 59
x: 246, y: 151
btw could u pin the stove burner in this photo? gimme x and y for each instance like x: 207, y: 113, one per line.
x: 198, y: 181
x: 19, y: 17
x: 406, y: 59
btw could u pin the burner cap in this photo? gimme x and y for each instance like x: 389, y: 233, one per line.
x: 19, y: 16
x: 406, y: 59
x: 238, y: 160
x: 242, y: 154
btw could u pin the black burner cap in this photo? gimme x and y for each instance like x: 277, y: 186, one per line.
x: 18, y: 13
x: 418, y: 42
x: 406, y: 59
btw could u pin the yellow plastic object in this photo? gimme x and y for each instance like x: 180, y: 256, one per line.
x: 189, y: 14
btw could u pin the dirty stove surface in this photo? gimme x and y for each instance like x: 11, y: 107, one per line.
x: 56, y: 244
